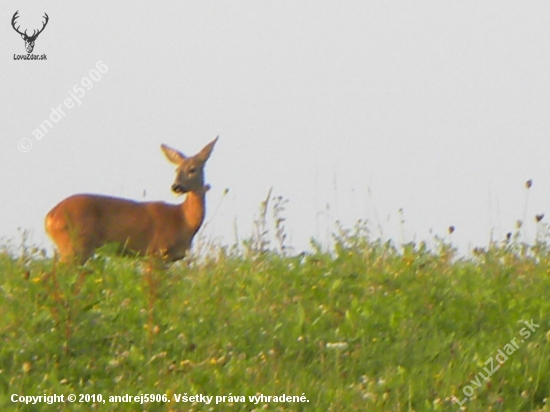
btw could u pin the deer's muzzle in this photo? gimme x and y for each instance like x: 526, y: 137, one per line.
x: 177, y: 188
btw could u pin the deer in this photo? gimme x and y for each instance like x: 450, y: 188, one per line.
x: 81, y: 223
x: 29, y: 40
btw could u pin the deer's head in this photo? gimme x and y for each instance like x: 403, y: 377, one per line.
x: 29, y: 40
x: 190, y: 170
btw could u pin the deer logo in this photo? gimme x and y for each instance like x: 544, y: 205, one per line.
x: 29, y: 40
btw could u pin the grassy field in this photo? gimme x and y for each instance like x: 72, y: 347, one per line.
x: 366, y: 326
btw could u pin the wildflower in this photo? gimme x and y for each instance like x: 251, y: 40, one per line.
x: 27, y: 366
x: 337, y: 345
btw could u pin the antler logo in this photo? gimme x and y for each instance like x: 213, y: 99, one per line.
x: 29, y: 40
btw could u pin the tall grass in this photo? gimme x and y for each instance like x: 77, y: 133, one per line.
x: 367, y: 325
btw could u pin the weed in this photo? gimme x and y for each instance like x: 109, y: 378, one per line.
x: 364, y: 325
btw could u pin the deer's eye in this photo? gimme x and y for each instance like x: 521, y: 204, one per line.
x: 191, y: 170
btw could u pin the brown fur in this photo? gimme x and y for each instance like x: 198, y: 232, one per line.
x: 81, y: 223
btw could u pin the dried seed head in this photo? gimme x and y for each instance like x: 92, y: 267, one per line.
x: 451, y: 229
x: 538, y: 218
x: 529, y: 183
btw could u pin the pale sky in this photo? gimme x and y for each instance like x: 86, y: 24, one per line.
x: 350, y: 110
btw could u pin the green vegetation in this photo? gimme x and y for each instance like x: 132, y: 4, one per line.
x: 367, y: 326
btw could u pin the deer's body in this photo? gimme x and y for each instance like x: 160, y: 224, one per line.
x: 82, y: 223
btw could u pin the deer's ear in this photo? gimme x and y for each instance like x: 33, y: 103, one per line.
x: 204, y: 154
x: 172, y: 154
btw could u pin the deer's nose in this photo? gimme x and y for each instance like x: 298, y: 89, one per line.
x: 177, y: 188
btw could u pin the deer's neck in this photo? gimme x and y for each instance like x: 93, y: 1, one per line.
x: 194, y: 209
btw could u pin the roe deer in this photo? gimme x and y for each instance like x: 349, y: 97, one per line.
x: 81, y: 223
